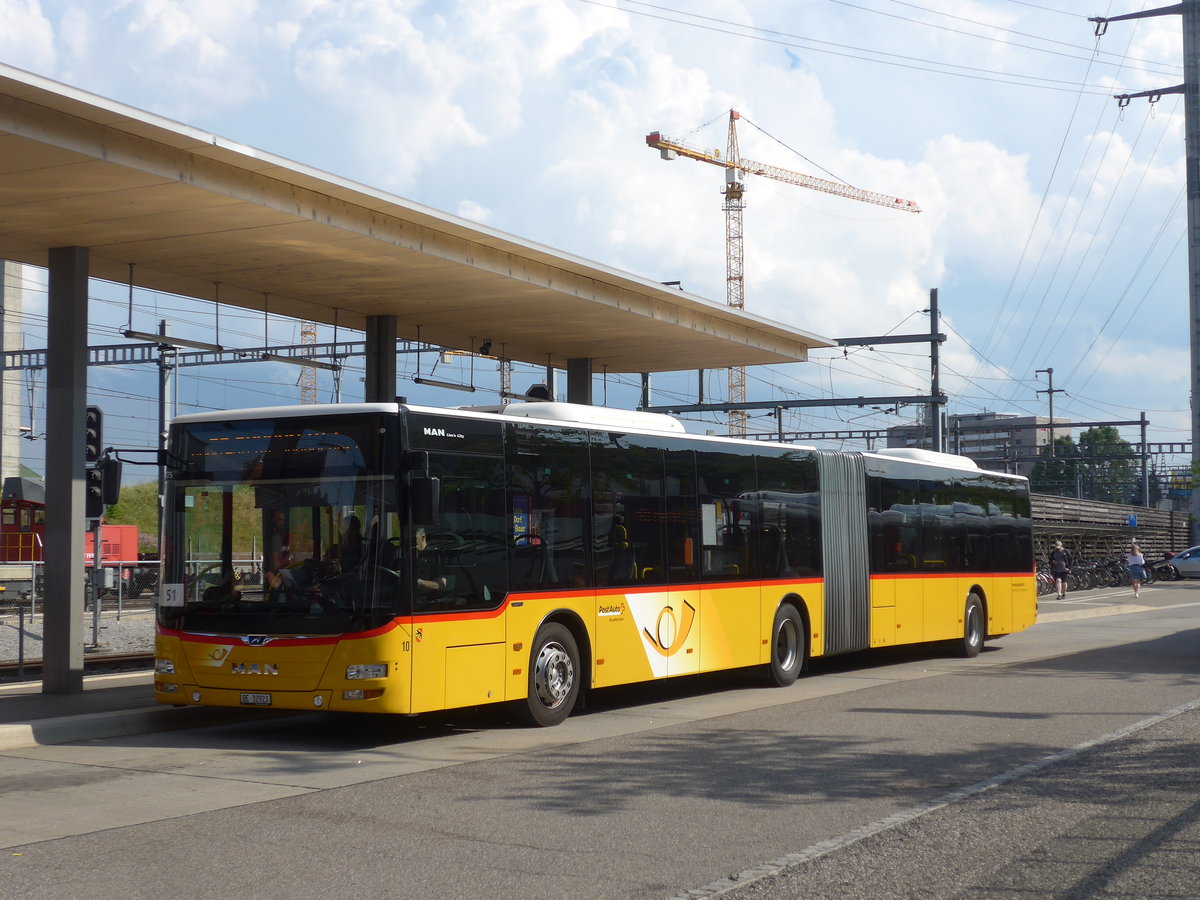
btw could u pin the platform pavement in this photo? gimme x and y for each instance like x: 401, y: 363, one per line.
x: 110, y: 706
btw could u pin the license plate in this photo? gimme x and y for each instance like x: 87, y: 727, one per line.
x: 256, y: 699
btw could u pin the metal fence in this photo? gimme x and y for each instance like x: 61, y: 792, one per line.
x: 111, y: 593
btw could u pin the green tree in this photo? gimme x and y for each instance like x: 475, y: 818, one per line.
x: 1107, y: 465
x: 1102, y: 466
x: 1056, y: 474
x: 138, y: 506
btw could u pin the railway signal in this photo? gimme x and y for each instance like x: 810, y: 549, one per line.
x: 93, y: 436
x: 94, y: 493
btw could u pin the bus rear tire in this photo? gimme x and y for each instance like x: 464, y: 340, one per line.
x: 974, y: 630
x: 788, y: 647
x: 554, y: 676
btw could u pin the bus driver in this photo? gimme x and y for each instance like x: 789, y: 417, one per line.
x: 430, y: 581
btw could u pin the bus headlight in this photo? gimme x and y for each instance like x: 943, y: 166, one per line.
x: 164, y: 666
x: 371, y: 670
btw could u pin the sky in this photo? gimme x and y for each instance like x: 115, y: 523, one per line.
x: 1052, y: 219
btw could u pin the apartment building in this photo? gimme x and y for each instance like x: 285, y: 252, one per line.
x: 999, y: 441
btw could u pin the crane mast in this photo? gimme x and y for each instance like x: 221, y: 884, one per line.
x: 308, y: 374
x: 736, y: 168
x: 735, y: 281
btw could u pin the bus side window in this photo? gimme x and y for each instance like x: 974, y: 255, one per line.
x: 725, y: 481
x: 899, y: 518
x: 627, y: 480
x: 467, y: 549
x: 548, y: 507
x: 681, y: 519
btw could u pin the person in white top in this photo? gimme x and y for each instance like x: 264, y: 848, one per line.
x: 1137, y: 568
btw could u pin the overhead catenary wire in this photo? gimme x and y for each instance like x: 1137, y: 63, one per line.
x: 884, y: 362
x: 1112, y: 313
x: 1050, y: 305
x: 1122, y: 60
x: 1059, y: 319
x: 1000, y: 315
x: 816, y: 45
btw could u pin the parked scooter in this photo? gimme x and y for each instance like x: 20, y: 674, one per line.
x: 1162, y: 570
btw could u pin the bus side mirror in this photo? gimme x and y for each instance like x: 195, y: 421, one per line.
x: 426, y: 496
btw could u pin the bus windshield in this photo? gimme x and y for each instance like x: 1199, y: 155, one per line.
x: 282, y: 526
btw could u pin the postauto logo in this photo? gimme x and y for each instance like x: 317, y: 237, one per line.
x: 664, y: 626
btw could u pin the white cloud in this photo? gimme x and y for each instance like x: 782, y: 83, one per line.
x: 985, y: 199
x: 476, y: 212
x: 191, y: 57
x: 27, y: 37
x: 530, y: 115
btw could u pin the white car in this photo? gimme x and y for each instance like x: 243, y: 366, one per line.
x: 1187, y: 562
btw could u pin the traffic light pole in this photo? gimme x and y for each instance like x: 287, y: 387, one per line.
x: 165, y: 365
x: 96, y: 574
x: 93, y: 503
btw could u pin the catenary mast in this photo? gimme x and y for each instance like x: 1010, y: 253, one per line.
x: 1190, y: 12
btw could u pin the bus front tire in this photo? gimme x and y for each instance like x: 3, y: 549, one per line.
x: 787, y: 647
x: 974, y: 629
x: 554, y: 676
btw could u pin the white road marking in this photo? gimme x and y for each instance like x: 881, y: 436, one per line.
x: 775, y: 866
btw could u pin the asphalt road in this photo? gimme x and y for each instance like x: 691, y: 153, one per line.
x: 1060, y: 763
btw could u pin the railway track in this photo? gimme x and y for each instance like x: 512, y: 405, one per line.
x: 15, y: 606
x: 92, y: 663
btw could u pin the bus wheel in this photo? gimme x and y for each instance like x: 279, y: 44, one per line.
x: 787, y: 647
x: 973, y: 627
x: 553, y: 676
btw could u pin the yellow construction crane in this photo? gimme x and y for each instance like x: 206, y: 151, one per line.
x: 736, y: 168
x: 308, y: 374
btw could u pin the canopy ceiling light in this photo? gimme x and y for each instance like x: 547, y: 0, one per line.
x: 301, y: 361
x: 169, y: 340
x: 433, y: 382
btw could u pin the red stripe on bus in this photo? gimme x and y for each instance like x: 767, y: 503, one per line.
x: 907, y: 576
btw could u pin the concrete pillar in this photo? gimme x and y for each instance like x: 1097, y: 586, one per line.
x: 66, y: 398
x: 381, y: 359
x: 579, y: 381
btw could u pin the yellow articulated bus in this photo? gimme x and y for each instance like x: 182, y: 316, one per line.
x: 393, y: 558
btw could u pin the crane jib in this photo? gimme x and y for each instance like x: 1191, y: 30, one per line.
x: 656, y: 140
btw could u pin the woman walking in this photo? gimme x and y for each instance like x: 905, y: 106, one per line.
x: 1137, y: 568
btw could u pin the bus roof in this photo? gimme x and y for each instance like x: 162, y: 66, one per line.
x: 287, y: 412
x: 918, y: 457
x: 594, y: 415
x: 597, y: 417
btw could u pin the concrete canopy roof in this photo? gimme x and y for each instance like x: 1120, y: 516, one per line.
x: 189, y: 209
